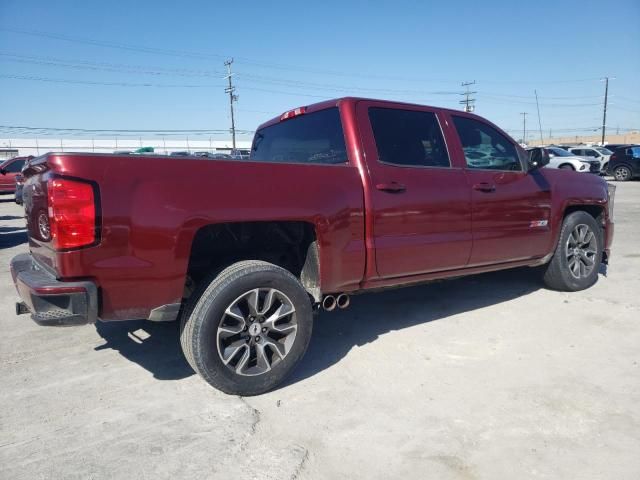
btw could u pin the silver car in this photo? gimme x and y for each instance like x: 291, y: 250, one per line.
x: 559, y: 158
x: 594, y: 153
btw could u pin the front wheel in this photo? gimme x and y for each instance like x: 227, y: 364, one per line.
x: 566, y: 166
x: 249, y: 328
x: 622, y: 173
x: 576, y: 260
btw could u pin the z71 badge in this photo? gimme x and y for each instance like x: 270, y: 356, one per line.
x: 538, y: 223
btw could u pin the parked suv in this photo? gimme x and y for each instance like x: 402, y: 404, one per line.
x: 559, y: 158
x: 624, y: 164
x: 598, y: 153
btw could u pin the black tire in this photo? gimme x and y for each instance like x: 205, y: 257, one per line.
x: 566, y: 166
x: 557, y: 273
x: 622, y: 173
x: 204, y: 314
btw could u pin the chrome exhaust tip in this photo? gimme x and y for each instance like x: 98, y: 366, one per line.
x: 329, y: 303
x: 343, y: 300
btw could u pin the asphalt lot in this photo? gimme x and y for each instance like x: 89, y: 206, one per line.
x: 486, y: 377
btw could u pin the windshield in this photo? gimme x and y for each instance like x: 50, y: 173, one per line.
x: 558, y: 152
x: 604, y: 151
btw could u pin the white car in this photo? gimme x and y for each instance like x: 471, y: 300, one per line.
x: 598, y: 153
x: 559, y: 158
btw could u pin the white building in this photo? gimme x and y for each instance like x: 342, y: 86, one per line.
x: 165, y: 145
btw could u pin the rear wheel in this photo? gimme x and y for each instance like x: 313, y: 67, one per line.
x: 248, y: 329
x: 575, y: 263
x: 622, y: 173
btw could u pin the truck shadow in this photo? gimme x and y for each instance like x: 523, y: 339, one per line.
x: 12, y: 236
x: 156, y: 347
x: 374, y: 314
x: 153, y: 346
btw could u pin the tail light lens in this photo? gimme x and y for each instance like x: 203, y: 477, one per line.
x: 72, y: 213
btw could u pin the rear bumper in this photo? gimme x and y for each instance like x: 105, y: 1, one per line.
x: 50, y: 301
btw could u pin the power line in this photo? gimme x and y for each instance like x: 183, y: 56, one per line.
x: 247, y: 61
x: 126, y: 84
x: 257, y: 89
x: 155, y: 70
x: 109, y: 84
x: 498, y: 99
x: 250, y: 77
x: 618, y: 107
x: 109, y: 67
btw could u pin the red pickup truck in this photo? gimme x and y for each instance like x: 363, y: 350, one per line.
x: 338, y: 197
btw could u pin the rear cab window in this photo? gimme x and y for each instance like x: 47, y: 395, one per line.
x: 310, y: 138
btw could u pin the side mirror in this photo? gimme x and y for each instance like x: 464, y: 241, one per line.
x: 538, y: 158
x: 3, y: 171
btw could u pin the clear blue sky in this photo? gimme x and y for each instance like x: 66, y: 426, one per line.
x: 295, y: 53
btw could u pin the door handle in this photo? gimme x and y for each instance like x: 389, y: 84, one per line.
x: 393, y: 187
x: 484, y: 187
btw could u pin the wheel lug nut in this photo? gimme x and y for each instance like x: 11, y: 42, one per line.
x: 257, y: 338
x: 264, y: 329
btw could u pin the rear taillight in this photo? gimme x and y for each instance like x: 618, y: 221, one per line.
x: 612, y: 157
x: 72, y: 213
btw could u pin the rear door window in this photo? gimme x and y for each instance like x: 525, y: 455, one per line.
x: 314, y: 138
x: 409, y: 138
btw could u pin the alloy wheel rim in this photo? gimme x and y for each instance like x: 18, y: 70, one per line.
x: 257, y: 331
x: 622, y: 173
x: 581, y: 250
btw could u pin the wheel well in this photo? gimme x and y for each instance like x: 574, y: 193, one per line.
x: 567, y: 165
x: 288, y: 244
x: 623, y: 165
x: 596, y: 211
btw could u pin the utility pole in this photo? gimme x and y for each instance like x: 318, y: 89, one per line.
x: 539, y: 121
x: 524, y: 126
x: 232, y: 98
x: 468, y: 102
x: 604, y: 113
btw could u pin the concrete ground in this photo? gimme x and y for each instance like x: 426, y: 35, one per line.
x: 487, y: 377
